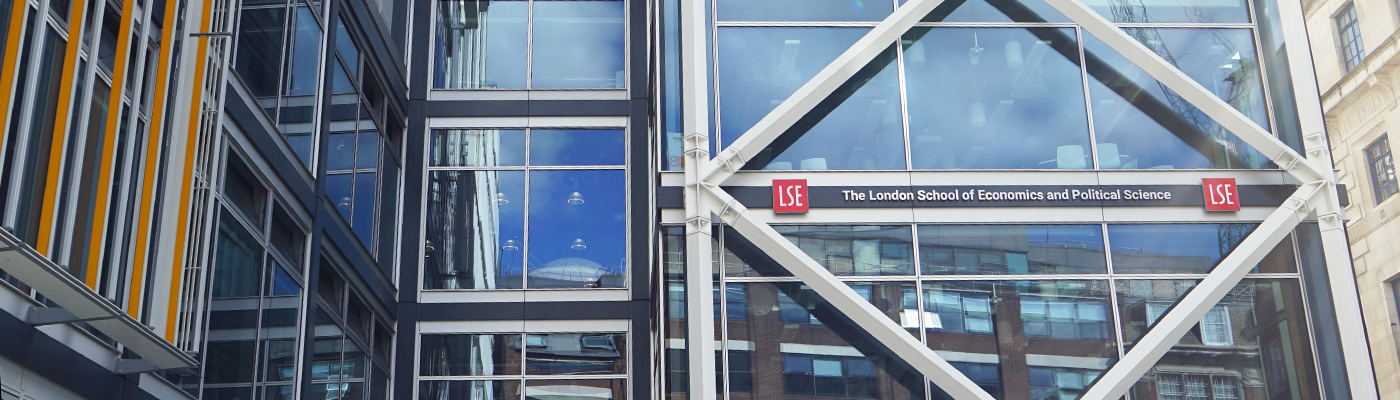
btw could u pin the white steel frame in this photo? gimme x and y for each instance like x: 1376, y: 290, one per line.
x: 705, y: 199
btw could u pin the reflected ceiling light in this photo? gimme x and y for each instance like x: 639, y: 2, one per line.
x: 977, y: 114
x: 578, y: 244
x: 576, y: 198
x: 974, y: 54
x: 510, y: 244
x: 1013, y: 55
x: 501, y: 198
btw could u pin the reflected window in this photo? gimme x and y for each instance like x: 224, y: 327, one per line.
x: 576, y: 354
x: 855, y: 250
x: 995, y: 98
x: 469, y: 355
x: 1187, y: 248
x: 994, y: 11
x: 1140, y: 124
x: 1011, y: 249
x: 477, y: 214
x: 544, y: 44
x: 495, y: 365
x: 1258, y: 329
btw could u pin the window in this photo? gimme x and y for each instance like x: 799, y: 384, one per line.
x: 1349, y: 32
x: 1382, y: 169
x: 1176, y: 386
x: 479, y: 185
x: 498, y: 366
x: 1215, y: 327
x: 829, y: 376
x: 537, y: 44
x: 1011, y: 249
x: 958, y: 312
x: 855, y: 250
x: 1065, y: 318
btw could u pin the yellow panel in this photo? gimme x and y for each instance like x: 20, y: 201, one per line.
x: 12, y: 45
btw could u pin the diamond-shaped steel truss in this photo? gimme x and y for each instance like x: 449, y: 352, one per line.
x: 705, y: 198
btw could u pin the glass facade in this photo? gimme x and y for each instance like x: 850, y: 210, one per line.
x: 1024, y: 89
x: 1017, y: 330
x: 529, y: 44
x: 535, y: 365
x: 500, y: 197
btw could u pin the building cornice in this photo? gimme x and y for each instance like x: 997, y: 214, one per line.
x: 1372, y: 71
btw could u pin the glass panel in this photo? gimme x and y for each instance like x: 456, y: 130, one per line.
x: 40, y: 139
x: 475, y: 227
x: 469, y: 390
x: 577, y: 147
x: 481, y: 44
x: 111, y: 29
x: 229, y: 361
x: 340, y: 188
x: 237, y: 261
x: 286, y: 236
x: 1192, y: 11
x: 995, y: 98
x: 814, y: 350
x: 1011, y: 249
x: 562, y: 205
x: 855, y: 250
x: 1141, y: 124
x: 279, y: 357
x: 260, y: 49
x: 1056, y: 335
x: 593, y: 389
x: 362, y: 220
x: 578, y: 45
x: 296, y: 108
x: 345, y: 44
x: 761, y: 67
x: 800, y: 10
x: 244, y: 191
x: 1187, y: 248
x: 325, y: 361
x: 1263, y: 338
x: 478, y: 147
x: 994, y: 11
x: 858, y: 127
x: 469, y: 354
x: 576, y: 354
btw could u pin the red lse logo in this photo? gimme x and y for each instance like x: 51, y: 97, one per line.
x: 790, y: 196
x: 1221, y: 194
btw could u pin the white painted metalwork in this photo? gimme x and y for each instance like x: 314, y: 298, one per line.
x: 703, y: 196
x: 806, y: 98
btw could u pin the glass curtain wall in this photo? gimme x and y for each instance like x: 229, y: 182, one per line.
x: 526, y: 208
x: 1025, y: 311
x: 278, y: 58
x: 537, y: 366
x: 352, y: 347
x: 363, y: 162
x: 255, y: 296
x: 1000, y: 84
x: 529, y: 44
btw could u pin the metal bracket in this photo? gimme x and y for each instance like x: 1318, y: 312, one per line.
x: 40, y: 316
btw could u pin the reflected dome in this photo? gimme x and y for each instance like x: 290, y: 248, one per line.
x: 572, y: 269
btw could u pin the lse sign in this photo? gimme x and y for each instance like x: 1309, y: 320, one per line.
x: 1221, y: 194
x: 790, y: 196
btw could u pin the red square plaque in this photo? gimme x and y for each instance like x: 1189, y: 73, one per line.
x: 789, y: 195
x: 1221, y: 194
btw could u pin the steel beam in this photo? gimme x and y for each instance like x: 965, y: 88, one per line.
x: 815, y: 90
x: 864, y: 314
x: 695, y: 120
x: 1169, y: 329
x: 1166, y: 73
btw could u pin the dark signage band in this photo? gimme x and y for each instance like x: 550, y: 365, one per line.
x: 997, y: 196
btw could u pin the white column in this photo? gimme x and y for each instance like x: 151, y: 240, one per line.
x: 700, y: 331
